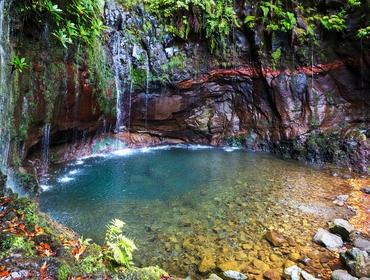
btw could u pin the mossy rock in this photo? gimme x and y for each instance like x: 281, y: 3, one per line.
x: 146, y: 273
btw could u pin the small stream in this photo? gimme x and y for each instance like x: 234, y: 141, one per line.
x: 182, y: 202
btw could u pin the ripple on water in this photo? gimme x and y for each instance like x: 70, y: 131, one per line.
x: 181, y: 203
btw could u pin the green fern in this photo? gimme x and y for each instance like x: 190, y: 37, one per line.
x: 120, y: 248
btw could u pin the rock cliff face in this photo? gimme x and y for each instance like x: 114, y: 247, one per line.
x: 288, y: 113
x: 315, y: 108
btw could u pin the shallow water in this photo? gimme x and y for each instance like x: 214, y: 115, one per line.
x: 182, y: 203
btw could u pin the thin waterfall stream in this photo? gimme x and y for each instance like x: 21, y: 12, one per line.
x: 5, y: 92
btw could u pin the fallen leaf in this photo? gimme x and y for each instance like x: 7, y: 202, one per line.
x: 45, y: 250
x: 43, y: 272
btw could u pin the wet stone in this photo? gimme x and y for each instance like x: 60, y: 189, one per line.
x: 366, y: 190
x: 214, y: 277
x: 275, y: 238
x: 362, y: 243
x: 272, y: 274
x: 342, y: 275
x: 234, y: 275
x: 329, y: 240
x: 341, y: 227
x: 340, y: 200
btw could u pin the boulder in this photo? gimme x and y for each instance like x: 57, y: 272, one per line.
x: 329, y: 240
x: 357, y: 262
x: 234, y: 275
x: 342, y: 228
x: 342, y: 275
x: 361, y: 243
x: 275, y: 238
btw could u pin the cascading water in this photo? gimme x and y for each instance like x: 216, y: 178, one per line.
x: 120, y: 90
x: 147, y: 73
x: 121, y: 46
x: 45, y: 148
x: 5, y: 92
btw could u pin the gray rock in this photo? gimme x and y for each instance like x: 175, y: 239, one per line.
x: 170, y: 52
x: 306, y: 276
x: 341, y: 199
x: 214, y: 277
x: 137, y: 52
x: 342, y: 275
x: 362, y: 243
x: 292, y: 272
x: 341, y: 227
x: 357, y: 262
x: 234, y: 275
x: 366, y: 190
x: 329, y: 240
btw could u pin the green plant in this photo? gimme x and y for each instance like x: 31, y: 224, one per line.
x: 334, y: 22
x: 120, y: 248
x: 236, y: 140
x: 64, y: 272
x: 363, y: 33
x: 250, y: 21
x: 19, y: 63
x: 354, y: 3
x: 210, y: 18
x: 16, y: 243
x: 275, y: 57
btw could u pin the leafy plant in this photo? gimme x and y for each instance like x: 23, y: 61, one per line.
x: 250, y: 21
x: 120, y: 248
x: 276, y: 56
x: 19, y: 63
x: 354, y: 3
x: 334, y: 22
x: 363, y: 33
x: 211, y: 18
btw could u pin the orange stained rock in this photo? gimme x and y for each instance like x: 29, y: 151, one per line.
x: 254, y: 72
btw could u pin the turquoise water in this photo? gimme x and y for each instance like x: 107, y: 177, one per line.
x: 170, y: 197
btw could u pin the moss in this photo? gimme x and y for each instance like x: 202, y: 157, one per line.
x: 91, y: 264
x: 236, y: 140
x: 138, y: 77
x: 17, y: 244
x: 28, y: 181
x: 175, y: 62
x: 64, y: 272
x: 147, y: 273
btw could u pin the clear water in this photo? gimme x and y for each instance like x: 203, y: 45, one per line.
x: 218, y: 201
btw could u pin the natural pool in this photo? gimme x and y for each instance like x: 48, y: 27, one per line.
x: 184, y: 204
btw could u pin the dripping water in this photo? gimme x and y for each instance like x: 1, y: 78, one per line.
x: 117, y: 54
x: 45, y: 143
x: 5, y: 91
x: 312, y: 62
x: 131, y: 90
x: 77, y: 92
x: 147, y: 72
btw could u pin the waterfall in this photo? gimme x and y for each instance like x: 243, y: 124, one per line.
x: 131, y: 90
x: 45, y: 143
x: 147, y: 73
x: 117, y: 64
x: 5, y: 92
